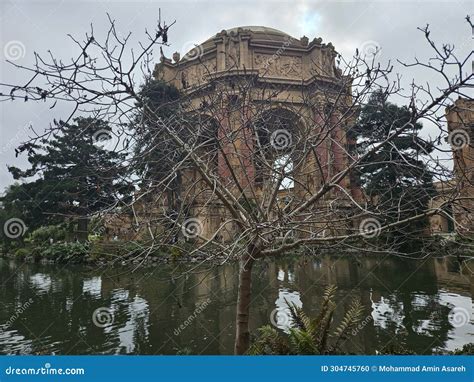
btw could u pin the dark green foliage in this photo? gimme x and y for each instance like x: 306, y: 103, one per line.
x: 154, y: 149
x: 155, y: 153
x: 21, y: 253
x: 44, y: 234
x: 183, y: 351
x: 111, y: 250
x: 163, y: 109
x: 467, y: 349
x: 71, y: 252
x: 395, y: 177
x: 18, y: 201
x: 74, y: 176
x: 396, y: 346
x: 310, y: 335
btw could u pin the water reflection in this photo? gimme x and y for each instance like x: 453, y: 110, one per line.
x: 406, y: 301
x: 281, y: 317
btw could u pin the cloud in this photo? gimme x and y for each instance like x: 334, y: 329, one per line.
x: 347, y: 24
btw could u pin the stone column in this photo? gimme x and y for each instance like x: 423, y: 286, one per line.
x: 236, y: 140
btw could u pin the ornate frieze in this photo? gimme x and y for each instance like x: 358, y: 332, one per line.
x: 197, y: 73
x: 278, y: 66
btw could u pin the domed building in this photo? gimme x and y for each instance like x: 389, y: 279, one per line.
x: 257, y: 50
x: 262, y: 76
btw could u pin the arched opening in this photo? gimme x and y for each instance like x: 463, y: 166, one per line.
x: 283, y: 171
x: 277, y: 133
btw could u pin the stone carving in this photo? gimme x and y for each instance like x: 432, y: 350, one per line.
x: 278, y: 66
x: 232, y: 55
x: 291, y: 66
x: 327, y: 63
x: 196, y: 74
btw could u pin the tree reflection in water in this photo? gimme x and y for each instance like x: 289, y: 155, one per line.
x: 408, y: 304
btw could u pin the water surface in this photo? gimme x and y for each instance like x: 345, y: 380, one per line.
x: 175, y: 309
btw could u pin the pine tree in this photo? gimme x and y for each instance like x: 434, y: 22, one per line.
x: 396, y: 179
x: 154, y: 151
x: 74, y: 175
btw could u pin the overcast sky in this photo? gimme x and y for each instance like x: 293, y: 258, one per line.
x: 37, y: 25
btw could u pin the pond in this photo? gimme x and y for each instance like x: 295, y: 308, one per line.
x: 422, y: 305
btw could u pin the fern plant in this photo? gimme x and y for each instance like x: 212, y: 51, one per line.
x: 308, y: 335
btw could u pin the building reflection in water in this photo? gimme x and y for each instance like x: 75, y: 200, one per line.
x: 408, y: 304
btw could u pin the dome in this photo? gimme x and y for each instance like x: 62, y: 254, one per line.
x: 258, y: 33
x: 259, y: 29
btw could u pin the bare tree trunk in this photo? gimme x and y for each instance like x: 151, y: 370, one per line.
x: 242, y: 333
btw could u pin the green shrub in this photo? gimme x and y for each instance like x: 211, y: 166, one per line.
x: 99, y: 250
x: 131, y: 248
x: 43, y: 235
x: 21, y: 253
x: 310, y: 335
x: 114, y: 249
x: 71, y: 252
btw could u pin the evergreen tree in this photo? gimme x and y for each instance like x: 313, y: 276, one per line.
x: 395, y: 178
x: 156, y: 155
x: 18, y: 202
x: 154, y: 151
x: 74, y: 175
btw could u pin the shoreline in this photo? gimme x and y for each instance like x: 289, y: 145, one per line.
x: 156, y: 258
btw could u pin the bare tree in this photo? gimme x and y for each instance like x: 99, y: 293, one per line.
x: 240, y: 167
